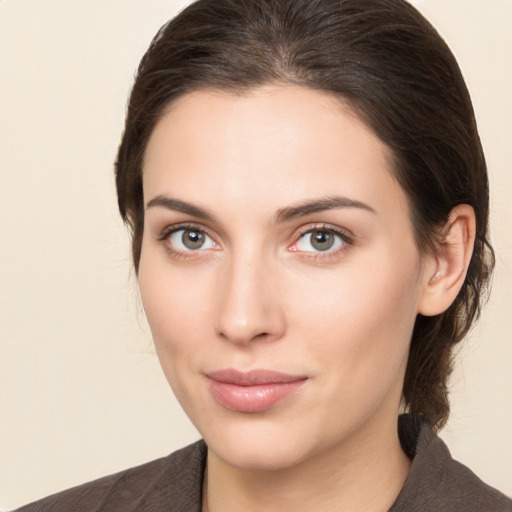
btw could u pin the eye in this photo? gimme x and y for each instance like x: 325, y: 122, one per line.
x: 188, y: 239
x: 320, y: 240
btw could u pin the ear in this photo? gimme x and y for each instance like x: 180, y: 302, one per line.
x: 446, y: 270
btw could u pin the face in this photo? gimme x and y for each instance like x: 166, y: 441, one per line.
x: 278, y: 272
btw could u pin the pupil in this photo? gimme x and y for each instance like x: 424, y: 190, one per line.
x: 322, y: 240
x: 192, y: 239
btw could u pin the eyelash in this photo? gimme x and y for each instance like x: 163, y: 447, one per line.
x: 346, y: 239
x: 170, y: 230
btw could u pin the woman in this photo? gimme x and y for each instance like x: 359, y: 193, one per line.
x: 308, y: 201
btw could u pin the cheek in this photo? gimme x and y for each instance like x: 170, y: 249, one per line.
x: 357, y: 320
x: 176, y: 305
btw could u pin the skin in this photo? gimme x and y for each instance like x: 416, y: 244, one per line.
x: 259, y: 295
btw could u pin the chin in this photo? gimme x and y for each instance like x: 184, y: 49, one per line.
x: 257, y: 445
x: 259, y: 456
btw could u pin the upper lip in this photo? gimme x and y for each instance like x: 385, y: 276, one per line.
x: 253, y: 377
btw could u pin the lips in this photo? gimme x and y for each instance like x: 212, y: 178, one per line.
x: 254, y: 391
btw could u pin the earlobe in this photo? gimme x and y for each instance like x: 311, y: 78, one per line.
x: 446, y: 271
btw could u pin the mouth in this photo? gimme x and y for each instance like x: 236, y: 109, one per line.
x: 254, y: 391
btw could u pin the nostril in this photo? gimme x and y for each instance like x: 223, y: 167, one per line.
x: 239, y: 337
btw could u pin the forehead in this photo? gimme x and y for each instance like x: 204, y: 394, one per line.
x: 282, y: 142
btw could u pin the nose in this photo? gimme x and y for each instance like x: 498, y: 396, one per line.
x: 248, y: 303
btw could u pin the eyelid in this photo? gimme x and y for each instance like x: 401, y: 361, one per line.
x: 168, y: 230
x: 346, y: 236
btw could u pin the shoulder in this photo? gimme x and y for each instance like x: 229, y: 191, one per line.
x: 437, y: 482
x: 174, y: 481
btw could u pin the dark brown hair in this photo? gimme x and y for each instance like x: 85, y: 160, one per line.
x: 391, y: 66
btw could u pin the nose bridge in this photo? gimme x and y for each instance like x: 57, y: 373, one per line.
x: 248, y: 305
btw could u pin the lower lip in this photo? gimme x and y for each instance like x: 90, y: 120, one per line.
x: 256, y: 398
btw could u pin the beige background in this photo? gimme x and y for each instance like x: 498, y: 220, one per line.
x: 81, y: 392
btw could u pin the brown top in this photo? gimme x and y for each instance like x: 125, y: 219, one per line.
x: 436, y: 483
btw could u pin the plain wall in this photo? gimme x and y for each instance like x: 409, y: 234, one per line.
x: 81, y: 391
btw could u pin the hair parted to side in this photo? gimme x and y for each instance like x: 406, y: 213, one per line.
x: 389, y: 64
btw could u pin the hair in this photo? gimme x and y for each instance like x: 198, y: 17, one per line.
x: 383, y: 59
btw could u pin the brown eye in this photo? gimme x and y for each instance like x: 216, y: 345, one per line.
x: 188, y: 239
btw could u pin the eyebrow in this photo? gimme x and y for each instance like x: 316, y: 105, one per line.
x: 282, y: 215
x: 319, y: 205
x: 180, y: 206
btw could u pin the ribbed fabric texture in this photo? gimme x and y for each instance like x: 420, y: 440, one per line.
x: 436, y: 483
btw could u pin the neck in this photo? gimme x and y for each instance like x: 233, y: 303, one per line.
x: 364, y: 473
